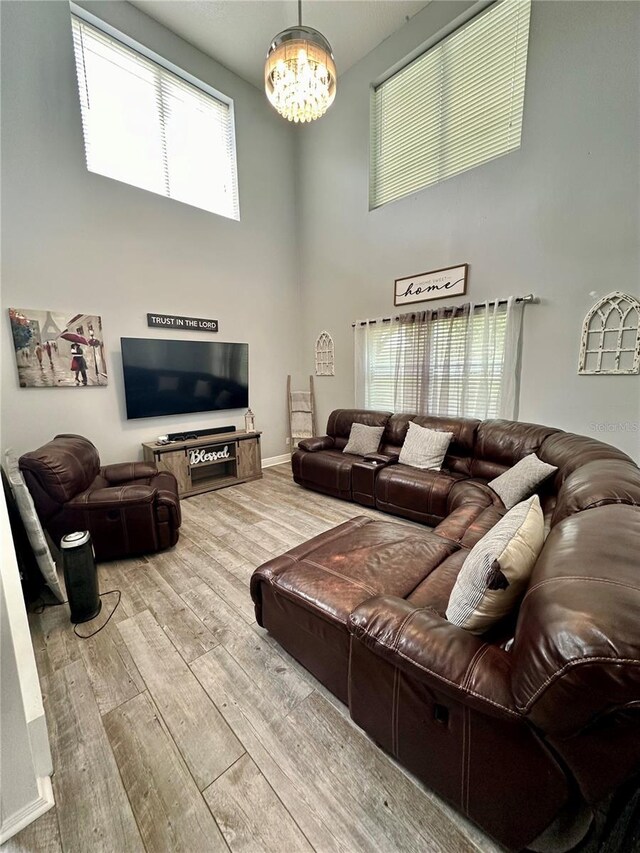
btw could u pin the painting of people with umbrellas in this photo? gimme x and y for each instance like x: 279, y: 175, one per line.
x: 56, y: 350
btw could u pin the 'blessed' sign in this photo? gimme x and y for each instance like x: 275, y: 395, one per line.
x: 201, y: 455
x: 450, y: 281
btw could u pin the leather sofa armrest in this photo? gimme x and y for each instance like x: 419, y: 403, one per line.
x: 313, y: 445
x: 167, y: 495
x: 123, y: 472
x: 382, y: 458
x: 428, y: 648
x: 469, y: 523
x: 471, y: 491
x: 113, y: 497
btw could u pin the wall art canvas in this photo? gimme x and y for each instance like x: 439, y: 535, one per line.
x: 56, y: 350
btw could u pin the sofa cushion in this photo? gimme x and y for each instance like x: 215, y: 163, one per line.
x: 364, y: 558
x: 414, y: 493
x: 425, y: 448
x: 460, y: 451
x: 569, y: 452
x: 62, y: 467
x: 363, y: 439
x: 468, y: 523
x: 519, y: 482
x: 341, y: 420
x: 435, y: 590
x: 605, y: 481
x: 328, y: 471
x: 500, y: 444
x: 497, y: 569
x: 305, y: 597
x: 395, y: 431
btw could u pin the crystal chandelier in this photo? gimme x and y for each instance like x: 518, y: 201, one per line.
x: 299, y: 73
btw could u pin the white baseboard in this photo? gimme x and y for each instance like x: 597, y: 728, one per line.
x: 15, y: 822
x: 276, y: 460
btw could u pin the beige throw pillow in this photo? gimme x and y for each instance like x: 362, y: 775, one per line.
x: 497, y: 569
x: 425, y: 448
x: 518, y: 482
x: 363, y: 439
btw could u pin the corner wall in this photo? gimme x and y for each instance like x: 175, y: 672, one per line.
x: 25, y: 758
x: 559, y: 217
x: 80, y: 242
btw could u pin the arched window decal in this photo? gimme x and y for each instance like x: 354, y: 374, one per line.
x: 611, y: 336
x: 325, y: 351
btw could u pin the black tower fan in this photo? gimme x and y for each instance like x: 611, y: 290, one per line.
x: 80, y: 576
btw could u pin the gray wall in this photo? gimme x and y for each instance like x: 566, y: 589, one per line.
x: 76, y: 241
x: 559, y: 217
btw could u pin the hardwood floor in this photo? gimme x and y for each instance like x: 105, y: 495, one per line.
x: 182, y: 726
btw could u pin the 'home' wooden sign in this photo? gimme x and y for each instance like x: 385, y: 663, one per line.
x: 450, y: 281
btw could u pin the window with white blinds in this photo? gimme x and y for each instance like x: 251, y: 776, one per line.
x: 455, y: 107
x: 459, y: 363
x: 151, y: 127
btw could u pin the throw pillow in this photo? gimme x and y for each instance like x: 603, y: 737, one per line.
x: 497, y: 569
x: 424, y: 447
x: 518, y: 482
x: 32, y: 525
x: 363, y: 439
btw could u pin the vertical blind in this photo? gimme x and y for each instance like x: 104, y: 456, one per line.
x: 455, y: 107
x: 147, y: 127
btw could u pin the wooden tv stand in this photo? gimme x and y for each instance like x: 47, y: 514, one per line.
x: 209, y: 462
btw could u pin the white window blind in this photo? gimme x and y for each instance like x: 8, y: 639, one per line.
x: 455, y: 107
x: 456, y: 363
x: 148, y: 127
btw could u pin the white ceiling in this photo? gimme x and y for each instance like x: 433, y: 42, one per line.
x: 238, y: 32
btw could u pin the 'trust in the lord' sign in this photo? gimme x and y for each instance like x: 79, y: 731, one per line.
x: 171, y: 321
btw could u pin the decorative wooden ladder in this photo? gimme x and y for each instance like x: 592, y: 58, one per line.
x: 302, y: 413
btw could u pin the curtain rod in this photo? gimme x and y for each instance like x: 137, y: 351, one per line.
x: 529, y: 299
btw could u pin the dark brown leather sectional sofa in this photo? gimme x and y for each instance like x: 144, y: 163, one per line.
x: 522, y: 728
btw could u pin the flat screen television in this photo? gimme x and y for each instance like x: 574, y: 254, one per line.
x: 165, y: 377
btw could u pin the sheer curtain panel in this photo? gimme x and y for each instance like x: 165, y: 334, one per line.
x: 458, y: 361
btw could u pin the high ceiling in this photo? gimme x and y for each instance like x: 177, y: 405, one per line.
x: 238, y: 32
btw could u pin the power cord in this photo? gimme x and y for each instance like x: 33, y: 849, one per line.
x: 41, y: 606
x: 97, y: 631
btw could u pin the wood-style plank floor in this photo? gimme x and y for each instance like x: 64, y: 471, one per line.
x: 182, y: 726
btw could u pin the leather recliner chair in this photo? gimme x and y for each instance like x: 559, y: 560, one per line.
x: 129, y: 508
